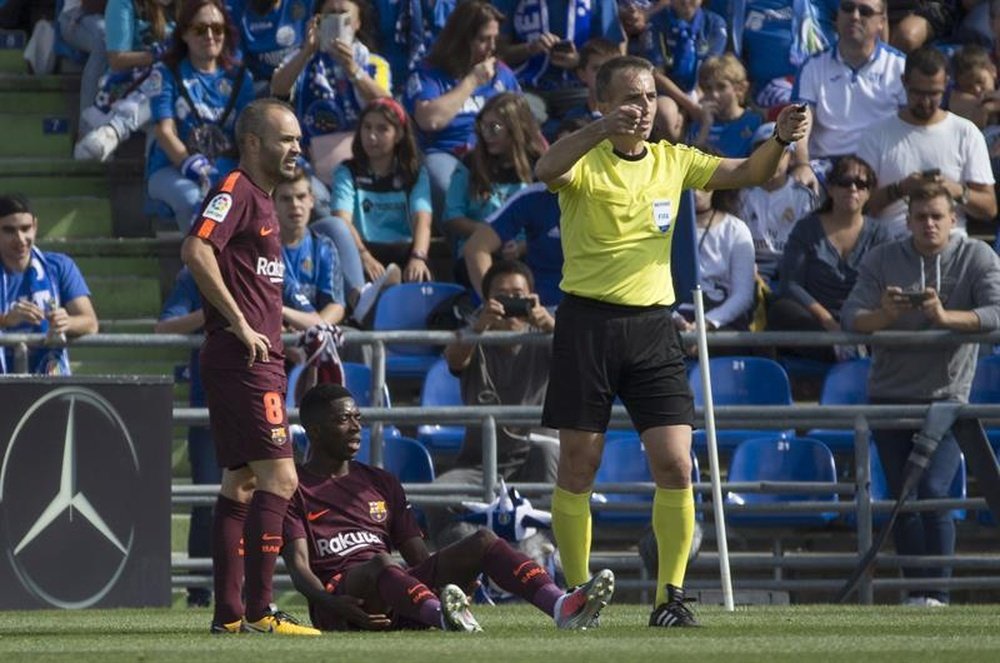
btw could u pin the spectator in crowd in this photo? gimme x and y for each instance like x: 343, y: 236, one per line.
x: 542, y: 41
x: 593, y: 54
x: 14, y: 15
x: 329, y: 84
x: 726, y: 270
x: 408, y: 30
x: 773, y: 38
x: 269, y: 31
x: 924, y: 142
x: 822, y: 256
x: 381, y: 200
x: 975, y: 96
x: 40, y: 292
x: 917, y: 23
x: 449, y: 88
x: 935, y: 279
x: 508, y: 143
x: 771, y: 210
x: 201, y: 91
x: 81, y: 25
x: 138, y: 34
x: 533, y: 212
x: 725, y: 126
x: 182, y: 314
x: 847, y: 87
x: 501, y: 375
x: 312, y: 263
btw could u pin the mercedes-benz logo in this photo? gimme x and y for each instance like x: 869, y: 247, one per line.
x: 65, y: 481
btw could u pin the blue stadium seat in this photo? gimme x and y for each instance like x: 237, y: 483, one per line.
x: 404, y: 457
x: 358, y: 379
x: 406, y: 307
x: 986, y: 389
x: 440, y: 388
x: 845, y: 384
x: 741, y: 381
x: 880, y: 488
x: 781, y: 458
x: 624, y: 460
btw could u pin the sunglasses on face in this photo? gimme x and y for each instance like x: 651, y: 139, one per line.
x: 864, y: 11
x: 202, y: 29
x: 847, y: 182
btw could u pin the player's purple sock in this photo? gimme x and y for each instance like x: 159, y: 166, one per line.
x: 520, y: 575
x: 262, y: 535
x: 227, y: 559
x: 408, y: 596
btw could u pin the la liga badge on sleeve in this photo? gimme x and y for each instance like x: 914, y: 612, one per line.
x: 218, y: 207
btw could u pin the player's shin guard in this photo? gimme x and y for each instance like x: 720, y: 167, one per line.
x: 408, y: 596
x: 520, y: 575
x: 227, y: 559
x: 262, y: 538
x: 571, y: 527
x: 673, y: 526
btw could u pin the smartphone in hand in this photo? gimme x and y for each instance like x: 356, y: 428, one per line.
x: 335, y: 27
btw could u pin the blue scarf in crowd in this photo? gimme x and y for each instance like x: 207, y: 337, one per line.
x: 43, y: 293
x: 531, y: 19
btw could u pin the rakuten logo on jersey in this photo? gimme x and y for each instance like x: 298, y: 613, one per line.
x: 274, y: 270
x: 346, y: 543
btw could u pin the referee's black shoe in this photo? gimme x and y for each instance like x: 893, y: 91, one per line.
x: 673, y: 612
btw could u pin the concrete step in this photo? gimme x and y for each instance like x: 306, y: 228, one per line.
x: 36, y: 134
x: 73, y: 216
x: 118, y: 267
x: 41, y: 177
x: 125, y: 296
x: 49, y: 95
x: 119, y: 247
x: 12, y: 44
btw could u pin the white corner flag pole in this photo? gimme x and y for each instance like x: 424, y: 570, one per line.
x: 713, y: 451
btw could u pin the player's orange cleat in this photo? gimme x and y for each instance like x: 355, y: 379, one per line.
x: 280, y: 623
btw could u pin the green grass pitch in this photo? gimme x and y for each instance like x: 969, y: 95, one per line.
x: 519, y: 633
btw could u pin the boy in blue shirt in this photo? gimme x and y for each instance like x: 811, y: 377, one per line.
x: 725, y: 126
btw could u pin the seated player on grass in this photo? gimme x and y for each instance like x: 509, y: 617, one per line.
x: 347, y: 517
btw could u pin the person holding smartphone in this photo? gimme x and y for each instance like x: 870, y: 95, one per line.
x: 501, y: 375
x: 935, y: 279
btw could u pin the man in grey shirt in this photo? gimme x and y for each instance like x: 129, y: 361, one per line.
x: 935, y: 279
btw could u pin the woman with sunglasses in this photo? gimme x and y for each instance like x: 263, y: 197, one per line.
x: 447, y: 91
x: 138, y: 35
x: 330, y: 81
x: 822, y: 256
x: 380, y: 204
x: 201, y: 92
x: 508, y: 143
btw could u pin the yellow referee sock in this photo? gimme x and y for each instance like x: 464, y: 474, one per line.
x: 673, y: 526
x: 571, y: 527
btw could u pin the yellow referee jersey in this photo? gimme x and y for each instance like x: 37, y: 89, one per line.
x: 617, y: 221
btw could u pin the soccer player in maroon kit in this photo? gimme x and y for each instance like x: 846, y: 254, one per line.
x: 234, y: 253
x: 345, y: 519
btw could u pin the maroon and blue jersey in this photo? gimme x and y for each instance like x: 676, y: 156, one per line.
x: 350, y: 519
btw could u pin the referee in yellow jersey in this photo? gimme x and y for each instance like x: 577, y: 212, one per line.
x: 618, y: 196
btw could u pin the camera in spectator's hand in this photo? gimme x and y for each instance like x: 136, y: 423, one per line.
x: 516, y: 307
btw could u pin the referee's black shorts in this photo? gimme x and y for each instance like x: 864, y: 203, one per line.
x: 603, y: 350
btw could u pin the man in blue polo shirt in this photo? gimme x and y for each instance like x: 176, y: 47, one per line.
x: 848, y: 87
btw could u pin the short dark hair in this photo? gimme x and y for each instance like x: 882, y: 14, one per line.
x: 504, y: 267
x: 927, y: 60
x: 929, y: 191
x: 318, y: 401
x: 840, y: 168
x: 14, y: 203
x: 253, y: 117
x: 970, y: 58
x: 613, y: 68
x: 596, y: 47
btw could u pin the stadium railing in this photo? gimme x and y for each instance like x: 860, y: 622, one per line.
x: 860, y: 418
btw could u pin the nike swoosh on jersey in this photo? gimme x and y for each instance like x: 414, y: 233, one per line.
x: 264, y: 232
x: 313, y: 515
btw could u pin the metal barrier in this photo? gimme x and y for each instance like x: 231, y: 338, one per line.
x: 860, y: 417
